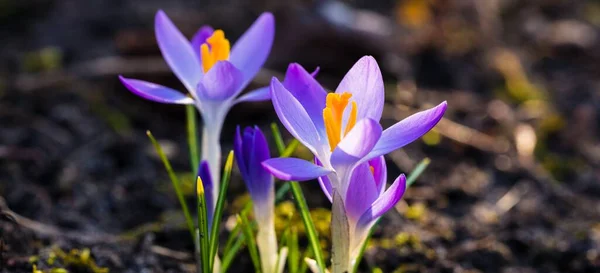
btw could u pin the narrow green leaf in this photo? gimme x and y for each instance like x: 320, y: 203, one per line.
x: 232, y: 252
x: 250, y: 240
x: 311, y: 231
x: 214, y: 234
x: 419, y: 169
x: 232, y: 239
x: 291, y: 148
x: 283, y: 189
x: 279, y: 143
x: 192, y: 135
x: 176, y: 184
x: 294, y: 251
x: 203, y: 235
x: 307, y: 254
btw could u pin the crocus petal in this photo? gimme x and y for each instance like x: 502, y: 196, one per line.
x: 221, y: 82
x: 357, y: 143
x: 251, y: 149
x: 177, y: 51
x: 361, y: 193
x: 155, y: 92
x: 365, y: 83
x: 408, y: 130
x: 260, y: 94
x: 308, y: 92
x: 293, y: 116
x: 325, y: 183
x: 316, y: 72
x: 262, y: 181
x: 379, y: 172
x: 204, y: 174
x: 252, y: 49
x: 200, y: 38
x: 385, y: 202
x: 238, y: 146
x: 286, y: 168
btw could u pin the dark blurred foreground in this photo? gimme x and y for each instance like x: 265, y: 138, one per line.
x: 513, y: 187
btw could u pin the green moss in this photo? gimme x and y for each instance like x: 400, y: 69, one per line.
x: 76, y: 259
x: 416, y: 211
x: 45, y: 59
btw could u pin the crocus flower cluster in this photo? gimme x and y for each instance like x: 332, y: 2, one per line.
x: 342, y: 130
x: 213, y: 73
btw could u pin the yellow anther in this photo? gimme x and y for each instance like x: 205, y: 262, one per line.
x: 333, y: 115
x: 218, y: 51
x: 372, y: 170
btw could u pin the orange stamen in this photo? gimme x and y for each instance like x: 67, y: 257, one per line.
x: 218, y: 51
x: 333, y: 114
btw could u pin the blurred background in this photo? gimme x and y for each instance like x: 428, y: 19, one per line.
x: 514, y: 181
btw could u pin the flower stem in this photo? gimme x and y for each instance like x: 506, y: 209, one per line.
x: 211, y: 152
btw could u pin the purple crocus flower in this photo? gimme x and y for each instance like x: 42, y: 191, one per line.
x: 251, y: 149
x: 213, y: 74
x: 342, y: 130
x: 366, y: 199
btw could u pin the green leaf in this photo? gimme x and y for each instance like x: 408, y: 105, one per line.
x: 232, y: 252
x: 192, y: 135
x: 283, y: 189
x: 311, y: 231
x: 203, y: 236
x: 250, y: 240
x: 417, y: 171
x: 290, y: 149
x: 176, y: 184
x: 232, y: 239
x: 294, y: 251
x: 279, y: 143
x: 214, y: 235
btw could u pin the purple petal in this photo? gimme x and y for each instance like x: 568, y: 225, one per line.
x: 324, y: 183
x: 221, y: 82
x: 200, y: 38
x: 286, y: 168
x: 261, y: 94
x: 252, y: 49
x: 251, y: 150
x: 365, y: 83
x: 385, y: 202
x: 357, y: 143
x: 238, y: 148
x: 262, y: 181
x: 204, y: 174
x: 316, y: 72
x: 293, y: 116
x: 408, y: 130
x: 361, y: 193
x: 155, y: 92
x: 379, y: 172
x: 177, y: 51
x: 308, y: 92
